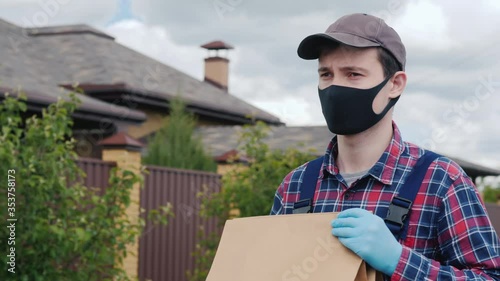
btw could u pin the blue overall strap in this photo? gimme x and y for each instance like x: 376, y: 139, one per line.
x: 308, y: 187
x: 399, y: 209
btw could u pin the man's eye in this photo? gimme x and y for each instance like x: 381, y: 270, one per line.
x: 353, y: 74
x: 325, y: 74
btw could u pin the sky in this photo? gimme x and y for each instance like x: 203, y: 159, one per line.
x: 451, y: 102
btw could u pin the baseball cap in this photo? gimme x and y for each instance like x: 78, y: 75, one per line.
x: 357, y: 30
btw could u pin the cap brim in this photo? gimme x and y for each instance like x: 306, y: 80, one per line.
x: 310, y: 47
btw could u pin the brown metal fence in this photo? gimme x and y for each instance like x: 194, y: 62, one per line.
x: 97, y: 171
x: 494, y: 214
x: 165, y: 253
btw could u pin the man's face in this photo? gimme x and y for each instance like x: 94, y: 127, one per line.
x: 353, y: 67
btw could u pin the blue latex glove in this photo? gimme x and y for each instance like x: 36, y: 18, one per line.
x: 367, y: 235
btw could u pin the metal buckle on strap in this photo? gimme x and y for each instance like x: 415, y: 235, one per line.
x: 397, y: 214
x: 303, y: 206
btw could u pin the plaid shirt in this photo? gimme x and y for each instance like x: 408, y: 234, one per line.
x: 450, y: 236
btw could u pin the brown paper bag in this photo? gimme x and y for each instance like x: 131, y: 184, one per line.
x: 288, y: 248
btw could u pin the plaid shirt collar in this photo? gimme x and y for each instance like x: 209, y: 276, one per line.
x: 385, y: 167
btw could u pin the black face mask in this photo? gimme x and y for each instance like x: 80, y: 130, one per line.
x: 349, y: 111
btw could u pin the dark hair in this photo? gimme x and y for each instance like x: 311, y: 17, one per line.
x: 389, y: 63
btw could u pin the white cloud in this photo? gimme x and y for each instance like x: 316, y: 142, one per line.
x: 293, y: 111
x: 16, y: 3
x: 424, y: 25
x: 473, y: 23
x: 298, y: 108
x: 462, y: 128
x: 155, y: 41
x: 495, y: 4
x: 36, y: 13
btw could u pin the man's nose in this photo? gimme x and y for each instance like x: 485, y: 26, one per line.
x: 337, y: 81
x: 331, y: 82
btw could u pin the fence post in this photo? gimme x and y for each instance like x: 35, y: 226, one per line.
x: 126, y: 152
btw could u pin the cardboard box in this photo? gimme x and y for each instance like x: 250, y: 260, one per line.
x: 288, y: 248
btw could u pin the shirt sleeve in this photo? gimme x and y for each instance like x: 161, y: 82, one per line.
x: 279, y: 202
x: 468, y: 244
x: 277, y: 208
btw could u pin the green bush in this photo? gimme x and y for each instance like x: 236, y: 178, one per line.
x: 175, y: 144
x: 64, y: 230
x: 491, y: 194
x: 249, y: 188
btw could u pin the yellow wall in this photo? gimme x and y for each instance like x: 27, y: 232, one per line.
x: 216, y: 70
x: 155, y: 121
x: 129, y: 160
x: 223, y: 169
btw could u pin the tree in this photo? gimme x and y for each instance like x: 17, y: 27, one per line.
x: 491, y: 194
x: 60, y: 229
x: 247, y: 190
x: 175, y: 144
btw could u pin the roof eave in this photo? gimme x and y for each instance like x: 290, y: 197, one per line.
x: 160, y: 100
x: 37, y: 103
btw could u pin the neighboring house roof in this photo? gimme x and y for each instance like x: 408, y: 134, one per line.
x: 40, y: 59
x: 27, y: 64
x: 220, y: 140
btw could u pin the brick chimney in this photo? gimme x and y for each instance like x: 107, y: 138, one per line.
x: 217, y: 67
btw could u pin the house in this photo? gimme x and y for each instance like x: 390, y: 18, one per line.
x: 122, y: 90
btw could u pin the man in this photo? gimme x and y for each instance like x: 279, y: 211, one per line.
x: 367, y: 164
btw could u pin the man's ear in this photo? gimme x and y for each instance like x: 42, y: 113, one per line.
x: 398, y: 84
